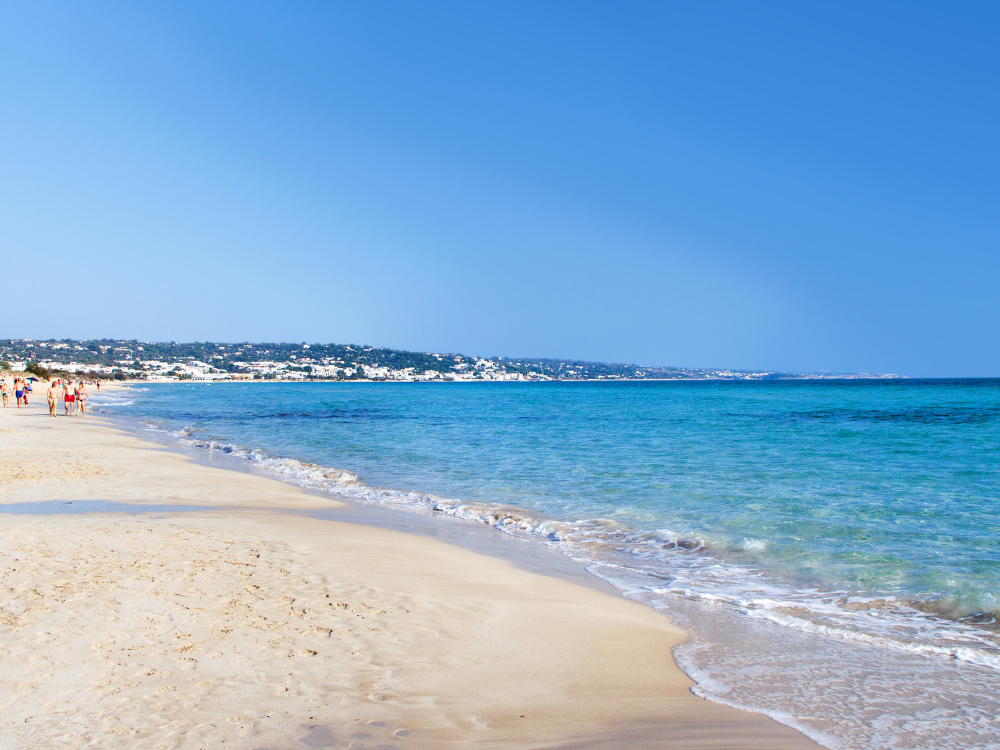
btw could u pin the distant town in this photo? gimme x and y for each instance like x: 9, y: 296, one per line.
x: 207, y: 361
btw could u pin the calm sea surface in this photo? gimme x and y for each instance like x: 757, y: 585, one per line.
x: 851, y: 524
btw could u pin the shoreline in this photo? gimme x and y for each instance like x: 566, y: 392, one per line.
x: 483, y: 643
x: 510, y: 519
x: 735, y: 644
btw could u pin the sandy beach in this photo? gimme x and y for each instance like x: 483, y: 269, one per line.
x: 242, y: 626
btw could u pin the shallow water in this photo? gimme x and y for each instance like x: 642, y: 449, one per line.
x: 846, y: 523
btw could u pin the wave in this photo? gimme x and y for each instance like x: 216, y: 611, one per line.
x: 112, y: 399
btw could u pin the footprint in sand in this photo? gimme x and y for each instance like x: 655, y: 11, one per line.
x: 318, y: 736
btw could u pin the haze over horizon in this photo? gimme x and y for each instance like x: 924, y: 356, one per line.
x: 782, y: 186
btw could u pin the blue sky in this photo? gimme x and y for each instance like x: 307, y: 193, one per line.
x: 796, y: 186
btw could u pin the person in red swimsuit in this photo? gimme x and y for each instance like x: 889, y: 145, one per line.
x: 67, y: 397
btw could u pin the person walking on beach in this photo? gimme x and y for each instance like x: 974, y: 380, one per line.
x: 27, y: 389
x: 51, y: 396
x: 19, y: 391
x: 67, y: 397
x: 5, y: 393
x: 81, y: 399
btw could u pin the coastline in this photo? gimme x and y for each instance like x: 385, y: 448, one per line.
x: 444, y: 381
x: 481, y: 642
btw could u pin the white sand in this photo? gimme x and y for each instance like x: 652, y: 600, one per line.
x: 253, y: 629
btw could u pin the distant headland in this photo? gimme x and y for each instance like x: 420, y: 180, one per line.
x: 208, y: 361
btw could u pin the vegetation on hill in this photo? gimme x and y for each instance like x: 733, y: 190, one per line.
x: 350, y: 359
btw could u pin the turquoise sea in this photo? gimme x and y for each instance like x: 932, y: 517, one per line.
x: 833, y: 547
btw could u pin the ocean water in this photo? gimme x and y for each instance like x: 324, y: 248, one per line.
x: 832, y: 547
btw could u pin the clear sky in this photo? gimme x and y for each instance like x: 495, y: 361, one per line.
x: 778, y: 185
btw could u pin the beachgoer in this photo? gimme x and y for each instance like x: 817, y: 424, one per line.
x: 19, y: 391
x: 81, y: 399
x: 98, y: 386
x: 27, y: 390
x: 5, y: 393
x: 51, y: 397
x: 67, y: 398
